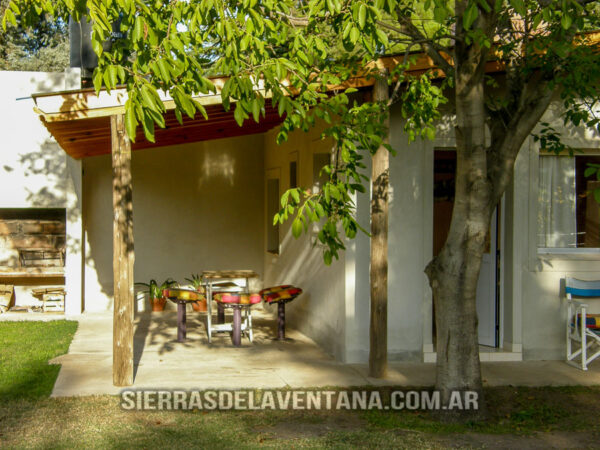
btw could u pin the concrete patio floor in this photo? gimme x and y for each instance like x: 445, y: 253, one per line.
x: 161, y: 362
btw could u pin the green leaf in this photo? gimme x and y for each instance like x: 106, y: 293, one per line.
x: 519, y: 6
x: 566, y: 21
x: 284, y: 198
x: 112, y: 75
x: 382, y: 37
x: 347, y: 29
x: 148, y: 99
x: 201, y: 109
x: 97, y: 79
x: 163, y: 67
x: 296, y: 195
x: 238, y: 115
x: 178, y: 116
x: 354, y: 35
x: 138, y: 29
x: 130, y: 122
x: 470, y: 15
x: 148, y: 125
x: 597, y: 195
x: 589, y: 172
x: 296, y: 228
x: 362, y: 15
x: 9, y: 17
x: 255, y: 110
x: 430, y: 133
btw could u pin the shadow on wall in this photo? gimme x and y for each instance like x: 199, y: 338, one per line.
x: 52, y: 82
x: 49, y: 162
x: 320, y: 310
x: 194, y: 209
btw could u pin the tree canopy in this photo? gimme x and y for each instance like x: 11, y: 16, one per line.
x: 43, y: 47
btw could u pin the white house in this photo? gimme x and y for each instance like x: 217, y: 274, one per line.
x: 204, y: 200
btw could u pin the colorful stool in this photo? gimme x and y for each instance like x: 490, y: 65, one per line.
x: 181, y: 297
x: 237, y: 302
x: 280, y: 295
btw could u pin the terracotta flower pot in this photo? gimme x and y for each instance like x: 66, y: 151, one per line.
x: 199, y: 306
x: 158, y: 304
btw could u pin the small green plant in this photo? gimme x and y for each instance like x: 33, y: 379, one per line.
x: 155, y: 290
x: 195, y: 281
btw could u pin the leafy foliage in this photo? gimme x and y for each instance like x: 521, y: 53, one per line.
x: 42, y: 47
x: 155, y: 289
x: 302, y: 56
x: 195, y: 280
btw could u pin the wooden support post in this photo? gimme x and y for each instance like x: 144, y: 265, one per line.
x: 123, y: 255
x: 379, y: 246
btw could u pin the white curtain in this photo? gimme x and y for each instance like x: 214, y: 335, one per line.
x: 557, y: 218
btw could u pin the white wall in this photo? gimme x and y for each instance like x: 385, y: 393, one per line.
x: 33, y: 168
x: 533, y: 315
x: 537, y: 276
x: 320, y: 311
x: 196, y: 207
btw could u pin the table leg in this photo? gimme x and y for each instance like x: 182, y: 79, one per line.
x: 181, y: 316
x: 220, y: 313
x: 281, y: 320
x: 237, y: 327
x: 209, y: 312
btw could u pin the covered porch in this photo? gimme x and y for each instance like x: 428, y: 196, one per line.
x: 200, y: 196
x: 161, y: 362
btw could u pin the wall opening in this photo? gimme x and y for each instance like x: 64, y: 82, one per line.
x: 272, y: 209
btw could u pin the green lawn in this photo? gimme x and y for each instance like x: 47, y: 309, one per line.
x: 518, y: 417
x: 25, y: 348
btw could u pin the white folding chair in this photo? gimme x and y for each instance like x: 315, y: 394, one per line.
x: 583, y: 329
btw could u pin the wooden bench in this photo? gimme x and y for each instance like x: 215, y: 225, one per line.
x: 7, y: 292
x: 53, y: 299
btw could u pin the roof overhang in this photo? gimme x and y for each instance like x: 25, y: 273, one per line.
x: 80, y: 119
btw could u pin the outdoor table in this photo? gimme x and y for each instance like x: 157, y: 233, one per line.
x: 215, y: 277
x: 181, y: 297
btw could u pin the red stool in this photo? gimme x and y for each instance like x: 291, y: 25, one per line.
x: 280, y: 295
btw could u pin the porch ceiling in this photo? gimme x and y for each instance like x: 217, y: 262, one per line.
x: 80, y: 119
x: 91, y: 136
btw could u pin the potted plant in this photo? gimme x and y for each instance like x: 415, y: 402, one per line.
x: 196, y: 282
x: 155, y: 293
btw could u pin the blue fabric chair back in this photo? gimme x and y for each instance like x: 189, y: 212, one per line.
x: 582, y: 288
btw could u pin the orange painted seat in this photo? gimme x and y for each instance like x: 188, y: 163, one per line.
x: 281, y: 293
x: 243, y: 299
x: 182, y: 294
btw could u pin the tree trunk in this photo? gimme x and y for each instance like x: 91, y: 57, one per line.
x: 454, y: 273
x: 379, y: 250
x: 123, y: 256
x: 453, y: 276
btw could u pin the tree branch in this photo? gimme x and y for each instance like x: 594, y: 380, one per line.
x: 432, y: 49
x: 534, y: 99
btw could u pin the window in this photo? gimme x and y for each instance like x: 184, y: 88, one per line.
x: 293, y: 174
x: 293, y: 170
x: 272, y: 209
x: 568, y: 215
